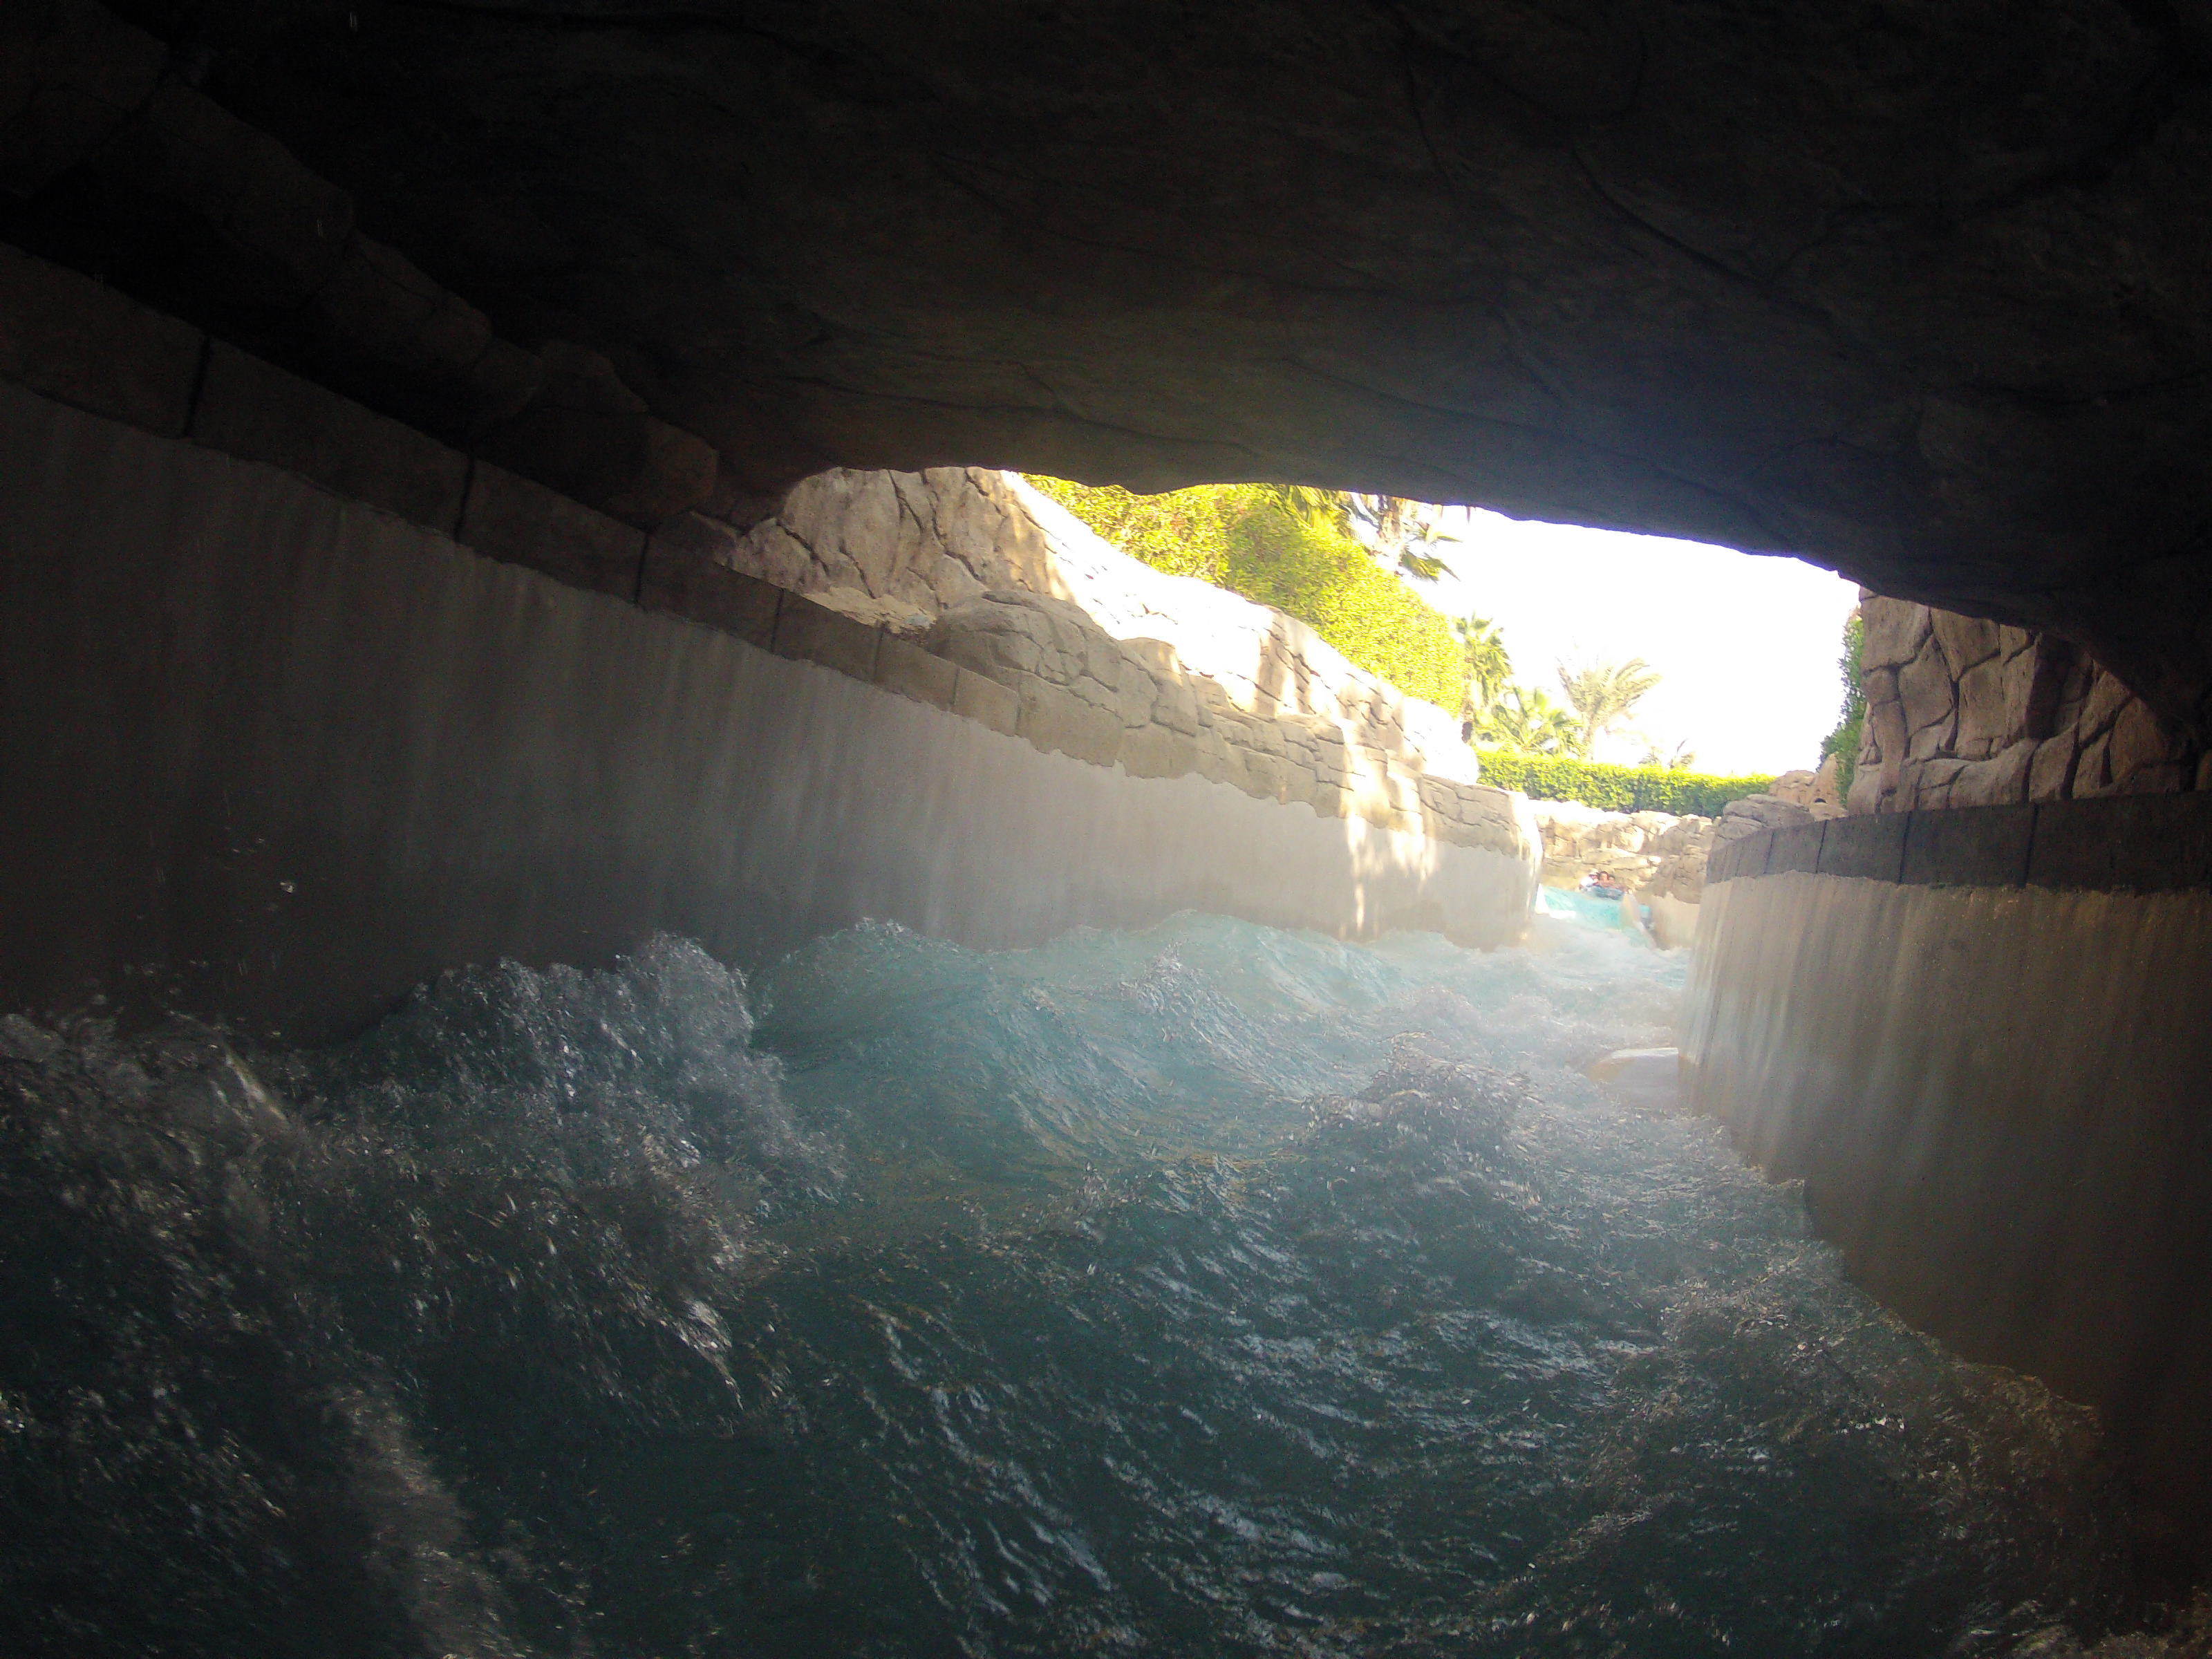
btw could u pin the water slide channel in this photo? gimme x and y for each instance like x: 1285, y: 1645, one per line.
x: 1205, y: 1290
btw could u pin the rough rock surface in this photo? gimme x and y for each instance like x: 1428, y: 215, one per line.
x: 1108, y: 659
x: 1917, y: 289
x: 1268, y: 662
x: 1655, y: 853
x: 1962, y: 711
x: 893, y: 549
x: 1816, y: 792
x: 1683, y: 851
x: 1762, y: 811
x: 896, y: 549
x: 954, y: 556
x: 1647, y: 852
x: 1132, y: 702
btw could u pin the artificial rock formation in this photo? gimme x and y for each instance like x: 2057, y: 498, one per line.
x: 1931, y: 311
x: 894, y: 549
x: 1658, y: 854
x: 1632, y: 848
x: 1110, y: 660
x: 1084, y: 693
x: 316, y: 706
x: 1268, y: 708
x: 1962, y: 711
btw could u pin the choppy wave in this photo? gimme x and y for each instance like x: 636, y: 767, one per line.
x: 1206, y: 1289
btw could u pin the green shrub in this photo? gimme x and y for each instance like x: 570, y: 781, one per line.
x: 1309, y: 568
x: 1282, y: 551
x: 1184, y: 533
x: 1844, y: 741
x: 1616, y: 788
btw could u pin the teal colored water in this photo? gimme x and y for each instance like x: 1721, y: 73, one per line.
x: 1574, y: 905
x: 1202, y: 1291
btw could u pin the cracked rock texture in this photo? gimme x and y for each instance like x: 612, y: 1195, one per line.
x: 1652, y: 853
x: 1108, y: 659
x: 895, y: 549
x: 1656, y: 854
x: 1961, y: 712
x: 1916, y: 288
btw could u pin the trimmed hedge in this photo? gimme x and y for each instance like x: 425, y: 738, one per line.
x: 1323, y: 578
x: 1616, y: 788
x: 1184, y: 533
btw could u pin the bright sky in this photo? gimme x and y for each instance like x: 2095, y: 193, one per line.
x: 1748, y: 646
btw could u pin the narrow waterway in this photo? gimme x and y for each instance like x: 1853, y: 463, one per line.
x: 1206, y: 1290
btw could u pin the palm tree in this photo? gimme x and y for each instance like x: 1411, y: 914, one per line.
x: 1603, y: 696
x: 1419, y: 557
x: 1325, y: 509
x: 1482, y: 648
x: 1405, y: 533
x: 1527, y: 723
x: 1682, y: 760
x: 1384, y: 516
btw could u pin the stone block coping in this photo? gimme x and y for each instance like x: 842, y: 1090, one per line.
x: 2122, y: 843
x: 80, y: 343
x: 68, y: 338
x: 257, y: 412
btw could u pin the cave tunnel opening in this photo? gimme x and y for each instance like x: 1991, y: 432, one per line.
x: 756, y: 903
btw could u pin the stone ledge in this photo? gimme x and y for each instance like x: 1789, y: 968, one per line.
x: 904, y: 667
x: 69, y: 338
x: 807, y: 632
x: 2124, y: 843
x: 257, y: 412
x: 985, y: 702
x: 1969, y: 847
x: 683, y: 580
x: 1157, y: 752
x: 1871, y: 847
x: 1797, y: 848
x: 1745, y: 856
x: 2139, y: 843
x: 509, y: 518
x: 1057, y: 719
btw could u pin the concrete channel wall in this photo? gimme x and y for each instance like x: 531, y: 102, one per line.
x: 299, y: 707
x: 1983, y: 1040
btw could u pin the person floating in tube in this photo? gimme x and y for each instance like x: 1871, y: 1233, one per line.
x: 1600, y: 883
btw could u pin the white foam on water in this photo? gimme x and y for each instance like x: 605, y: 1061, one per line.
x: 1201, y: 1290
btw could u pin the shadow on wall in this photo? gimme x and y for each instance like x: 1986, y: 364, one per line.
x: 277, y: 756
x: 896, y: 549
x: 1110, y: 660
x: 1991, y: 1081
x: 1271, y: 671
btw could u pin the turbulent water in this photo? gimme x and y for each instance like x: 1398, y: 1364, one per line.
x: 1203, y: 1291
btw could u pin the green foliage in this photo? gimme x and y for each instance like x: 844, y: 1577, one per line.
x: 1184, y: 533
x: 1291, y: 548
x: 1603, y: 696
x: 1487, y: 666
x: 1405, y: 532
x: 1527, y: 722
x: 1844, y: 741
x: 1312, y: 570
x: 1616, y: 788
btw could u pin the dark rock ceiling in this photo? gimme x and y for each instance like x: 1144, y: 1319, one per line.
x: 1921, y: 290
